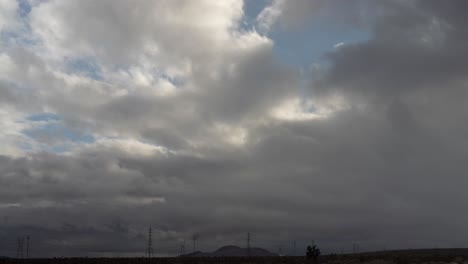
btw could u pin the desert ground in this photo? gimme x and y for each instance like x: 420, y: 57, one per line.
x: 426, y: 256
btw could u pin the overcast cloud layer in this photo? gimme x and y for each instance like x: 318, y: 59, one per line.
x: 180, y: 115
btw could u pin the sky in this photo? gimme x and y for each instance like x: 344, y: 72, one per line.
x: 331, y: 121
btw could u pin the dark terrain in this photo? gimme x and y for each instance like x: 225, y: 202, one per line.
x: 233, y: 251
x: 432, y: 256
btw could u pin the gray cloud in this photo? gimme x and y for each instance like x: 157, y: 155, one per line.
x: 201, y: 152
x: 299, y: 14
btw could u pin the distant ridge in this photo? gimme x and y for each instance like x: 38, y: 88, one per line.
x: 232, y: 251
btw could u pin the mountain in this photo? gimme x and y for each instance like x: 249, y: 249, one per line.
x: 232, y: 251
x: 196, y: 254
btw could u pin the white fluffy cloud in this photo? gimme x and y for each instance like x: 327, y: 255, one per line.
x: 164, y: 34
x: 174, y: 114
x: 288, y: 14
x: 8, y: 14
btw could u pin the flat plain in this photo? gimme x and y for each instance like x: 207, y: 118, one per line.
x: 417, y: 256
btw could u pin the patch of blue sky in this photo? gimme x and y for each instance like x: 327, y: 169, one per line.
x: 251, y: 10
x: 13, y: 39
x: 86, y: 66
x: 26, y: 146
x: 305, y: 46
x: 23, y: 8
x: 77, y: 137
x: 20, y: 34
x: 174, y: 80
x: 308, y: 46
x: 43, y: 117
x: 61, y: 148
x: 51, y: 129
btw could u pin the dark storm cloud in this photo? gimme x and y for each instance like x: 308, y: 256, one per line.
x: 408, y: 81
x: 386, y: 169
x: 414, y: 47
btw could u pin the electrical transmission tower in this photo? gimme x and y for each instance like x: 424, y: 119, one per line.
x: 27, y: 246
x: 249, y: 253
x: 19, y: 250
x: 355, y: 248
x: 182, y: 248
x: 194, y: 240
x: 149, y: 249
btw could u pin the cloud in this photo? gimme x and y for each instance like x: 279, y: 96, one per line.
x: 8, y: 11
x: 338, y: 45
x: 176, y: 34
x: 299, y: 14
x: 195, y: 126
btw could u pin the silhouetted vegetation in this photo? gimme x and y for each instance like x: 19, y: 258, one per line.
x: 313, y: 252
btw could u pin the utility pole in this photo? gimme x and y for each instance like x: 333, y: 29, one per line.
x: 149, y: 250
x: 294, y: 248
x: 248, y: 244
x: 27, y: 246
